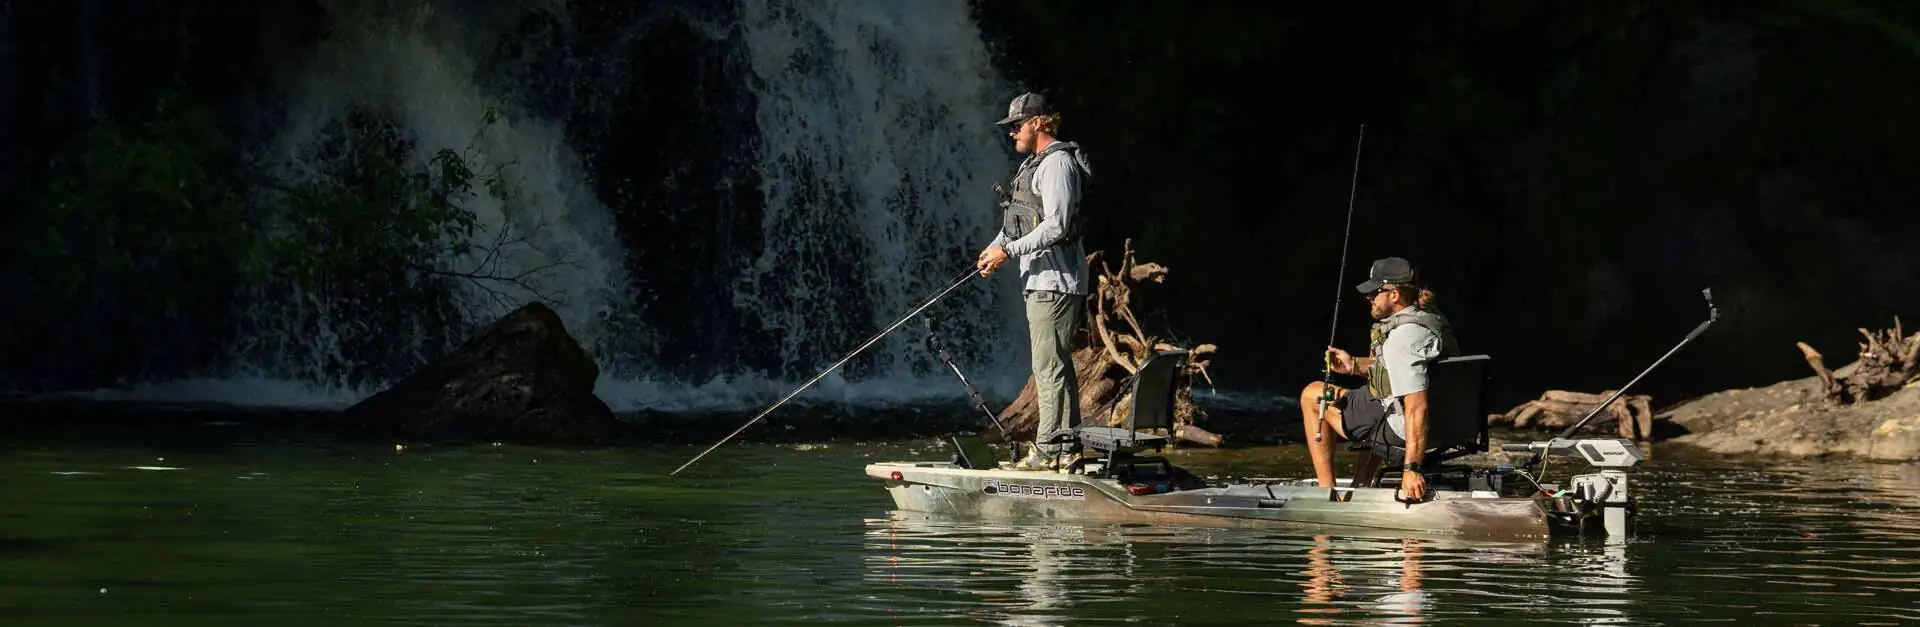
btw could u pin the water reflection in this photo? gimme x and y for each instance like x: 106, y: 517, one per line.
x: 504, y: 535
x: 1050, y: 575
x: 1323, y: 585
x: 1792, y: 543
x: 1021, y: 575
x: 1042, y: 591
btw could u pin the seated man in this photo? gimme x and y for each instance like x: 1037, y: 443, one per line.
x: 1392, y: 408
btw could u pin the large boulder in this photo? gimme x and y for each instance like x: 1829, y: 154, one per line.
x: 1793, y: 418
x: 520, y: 379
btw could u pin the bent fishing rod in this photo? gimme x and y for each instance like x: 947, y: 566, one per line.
x: 970, y: 273
x: 1713, y: 313
x: 1340, y: 287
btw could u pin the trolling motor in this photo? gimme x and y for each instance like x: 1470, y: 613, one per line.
x: 1607, y: 489
x: 940, y: 350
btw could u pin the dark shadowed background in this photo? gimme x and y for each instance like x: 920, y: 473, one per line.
x: 1568, y: 176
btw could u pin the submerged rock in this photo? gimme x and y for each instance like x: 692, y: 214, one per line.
x: 1792, y: 418
x: 520, y: 379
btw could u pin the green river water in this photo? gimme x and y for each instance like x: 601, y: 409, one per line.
x: 214, y: 528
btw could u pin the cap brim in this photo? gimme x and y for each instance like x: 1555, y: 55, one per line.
x: 1370, y: 286
x: 1011, y: 119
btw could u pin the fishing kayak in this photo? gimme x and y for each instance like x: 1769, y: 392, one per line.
x: 1498, y: 502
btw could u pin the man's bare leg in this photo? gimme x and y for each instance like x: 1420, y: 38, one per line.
x: 1326, y: 425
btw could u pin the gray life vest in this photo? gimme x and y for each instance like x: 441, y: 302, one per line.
x: 1021, y: 209
x: 1378, y: 383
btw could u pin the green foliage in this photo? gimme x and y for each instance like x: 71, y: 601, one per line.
x: 139, y: 236
x: 127, y: 199
x: 367, y: 233
x: 373, y: 210
x: 134, y: 235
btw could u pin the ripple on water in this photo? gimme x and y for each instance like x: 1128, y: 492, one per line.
x: 769, y: 534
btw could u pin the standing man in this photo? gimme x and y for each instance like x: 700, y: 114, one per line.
x: 1392, y: 408
x: 1040, y: 225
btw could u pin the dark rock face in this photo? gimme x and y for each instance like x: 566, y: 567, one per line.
x: 1595, y: 163
x: 520, y: 379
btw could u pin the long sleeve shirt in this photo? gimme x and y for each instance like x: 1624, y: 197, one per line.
x: 1050, y: 261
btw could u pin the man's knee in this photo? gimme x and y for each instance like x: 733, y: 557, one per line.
x: 1049, y: 364
x: 1316, y: 390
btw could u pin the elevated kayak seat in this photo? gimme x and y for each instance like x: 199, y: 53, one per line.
x: 1151, y: 408
x: 1456, y: 416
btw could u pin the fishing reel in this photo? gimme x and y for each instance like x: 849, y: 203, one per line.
x: 1326, y: 387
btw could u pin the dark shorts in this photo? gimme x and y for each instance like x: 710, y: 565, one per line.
x: 1365, y: 419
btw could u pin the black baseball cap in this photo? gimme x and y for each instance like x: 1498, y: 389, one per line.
x: 1385, y: 271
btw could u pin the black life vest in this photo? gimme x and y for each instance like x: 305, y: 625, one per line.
x: 1378, y: 384
x: 1021, y: 208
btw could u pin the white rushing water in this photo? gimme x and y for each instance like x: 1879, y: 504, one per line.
x: 416, y: 64
x: 876, y: 149
x: 877, y: 144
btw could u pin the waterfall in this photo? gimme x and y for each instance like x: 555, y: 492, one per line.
x: 875, y: 150
x: 878, y: 150
x: 870, y: 146
x: 415, y: 65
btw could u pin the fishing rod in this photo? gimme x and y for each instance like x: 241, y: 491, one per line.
x: 963, y: 278
x: 940, y: 350
x: 1713, y: 313
x: 1340, y: 287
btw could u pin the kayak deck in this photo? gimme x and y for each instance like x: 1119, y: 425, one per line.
x: 1019, y: 495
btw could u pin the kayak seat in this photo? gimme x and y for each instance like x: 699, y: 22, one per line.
x: 1152, y: 408
x: 1456, y: 412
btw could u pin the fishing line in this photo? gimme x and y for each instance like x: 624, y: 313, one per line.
x: 963, y: 278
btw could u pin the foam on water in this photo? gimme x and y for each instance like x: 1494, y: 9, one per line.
x: 255, y: 392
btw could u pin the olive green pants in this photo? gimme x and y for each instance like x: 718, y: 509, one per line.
x: 1052, y: 319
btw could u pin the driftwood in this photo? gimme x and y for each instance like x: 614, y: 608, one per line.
x: 1110, y: 347
x: 1887, y: 362
x: 1631, y: 415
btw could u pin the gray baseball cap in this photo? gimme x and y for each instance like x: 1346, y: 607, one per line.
x: 1025, y: 106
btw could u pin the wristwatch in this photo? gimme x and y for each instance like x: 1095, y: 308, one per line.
x: 1415, y: 467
